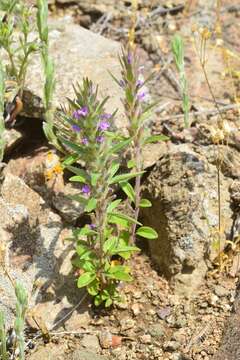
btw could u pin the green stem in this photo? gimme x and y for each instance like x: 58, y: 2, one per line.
x: 137, y: 188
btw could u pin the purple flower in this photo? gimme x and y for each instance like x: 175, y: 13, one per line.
x: 86, y: 189
x: 83, y: 111
x: 100, y: 139
x: 140, y: 82
x: 92, y: 226
x: 106, y: 116
x: 76, y: 128
x: 75, y: 114
x: 103, y: 125
x: 129, y: 58
x: 80, y: 112
x: 85, y: 141
x: 122, y: 83
x: 141, y: 95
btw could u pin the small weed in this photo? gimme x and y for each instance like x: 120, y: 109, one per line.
x: 178, y: 52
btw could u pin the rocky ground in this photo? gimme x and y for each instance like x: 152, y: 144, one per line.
x: 179, y: 303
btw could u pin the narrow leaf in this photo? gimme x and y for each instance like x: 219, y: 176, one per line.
x: 145, y: 203
x: 147, y: 232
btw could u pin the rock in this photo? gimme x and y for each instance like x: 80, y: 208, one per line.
x: 78, y: 320
x: 127, y: 323
x: 221, y: 291
x: 49, y: 352
x: 136, y: 309
x: 171, y: 346
x: 230, y: 346
x: 157, y: 330
x: 29, y: 233
x: 85, y: 355
x: 164, y: 312
x: 70, y: 210
x: 183, y: 190
x: 78, y: 53
x: 91, y: 342
x: 146, y: 339
x: 12, y: 137
x: 176, y: 356
x: 107, y: 340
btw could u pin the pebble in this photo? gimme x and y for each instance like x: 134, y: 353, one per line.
x: 157, y: 330
x: 171, y: 346
x: 164, y: 312
x: 220, y: 291
x: 136, y: 309
x: 146, y: 339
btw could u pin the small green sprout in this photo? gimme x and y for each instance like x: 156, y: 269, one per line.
x: 178, y: 52
x: 19, y: 345
x: 2, y: 126
x: 15, y: 28
x: 49, y: 73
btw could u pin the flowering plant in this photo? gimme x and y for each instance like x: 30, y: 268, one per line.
x: 138, y: 110
x: 87, y: 133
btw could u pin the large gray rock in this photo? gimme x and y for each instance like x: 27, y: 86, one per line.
x: 183, y: 190
x: 78, y: 53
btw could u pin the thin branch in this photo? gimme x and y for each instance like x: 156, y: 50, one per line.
x: 205, y: 112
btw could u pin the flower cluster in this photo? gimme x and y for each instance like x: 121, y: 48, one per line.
x: 81, y: 119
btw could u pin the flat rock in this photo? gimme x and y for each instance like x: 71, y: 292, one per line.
x: 78, y: 53
x: 86, y: 355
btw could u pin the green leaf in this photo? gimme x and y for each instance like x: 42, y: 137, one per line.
x: 156, y: 138
x: 122, y: 249
x: 147, y: 232
x: 128, y: 189
x: 119, y: 272
x: 109, y: 244
x: 76, y: 148
x: 121, y: 219
x: 77, y: 171
x: 124, y: 177
x: 94, y: 178
x: 86, y: 230
x: 97, y: 300
x: 86, y: 279
x: 131, y: 164
x: 78, y: 178
x: 93, y: 288
x: 91, y: 205
x: 145, y: 203
x: 83, y: 264
x: 114, y: 168
x: 81, y: 248
x: 119, y: 146
x: 70, y: 159
x: 108, y: 302
x: 113, y: 205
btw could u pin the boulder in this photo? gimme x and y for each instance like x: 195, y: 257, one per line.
x: 183, y: 189
x: 77, y: 53
x: 29, y: 235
